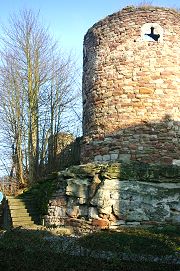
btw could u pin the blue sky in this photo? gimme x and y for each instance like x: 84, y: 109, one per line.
x: 69, y: 20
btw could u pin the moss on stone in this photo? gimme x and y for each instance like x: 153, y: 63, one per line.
x: 111, y: 171
x: 89, y: 169
x: 125, y: 171
x: 169, y: 171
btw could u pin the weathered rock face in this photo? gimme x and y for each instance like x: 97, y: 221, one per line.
x: 131, y: 87
x: 109, y: 195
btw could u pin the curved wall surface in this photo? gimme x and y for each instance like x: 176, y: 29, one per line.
x: 131, y: 87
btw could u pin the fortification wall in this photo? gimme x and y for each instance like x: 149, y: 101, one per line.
x: 111, y: 195
x: 63, y: 151
x: 131, y: 87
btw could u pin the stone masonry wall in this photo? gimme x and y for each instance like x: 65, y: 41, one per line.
x: 112, y: 195
x: 63, y: 151
x: 131, y: 87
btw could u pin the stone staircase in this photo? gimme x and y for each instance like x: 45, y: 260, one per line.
x: 19, y: 212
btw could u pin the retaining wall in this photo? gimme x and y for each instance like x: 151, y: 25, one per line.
x: 112, y: 195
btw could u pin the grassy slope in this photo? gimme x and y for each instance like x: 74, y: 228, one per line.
x: 28, y: 250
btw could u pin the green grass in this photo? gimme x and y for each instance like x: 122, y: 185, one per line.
x: 139, y: 241
x: 28, y: 250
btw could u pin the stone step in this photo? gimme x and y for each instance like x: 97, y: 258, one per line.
x: 17, y: 207
x: 14, y: 200
x: 19, y: 203
x: 21, y: 211
x: 21, y: 224
x: 21, y: 219
x: 17, y: 199
x: 10, y: 197
x: 15, y: 213
x: 16, y: 203
x: 24, y: 214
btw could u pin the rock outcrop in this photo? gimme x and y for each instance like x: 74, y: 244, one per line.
x: 110, y: 195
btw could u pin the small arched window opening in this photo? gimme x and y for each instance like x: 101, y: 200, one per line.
x: 151, y: 32
x: 152, y: 36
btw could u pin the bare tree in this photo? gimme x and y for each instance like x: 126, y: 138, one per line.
x: 37, y: 87
x: 12, y: 106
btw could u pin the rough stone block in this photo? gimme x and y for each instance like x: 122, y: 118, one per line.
x: 98, y: 158
x: 100, y: 223
x: 77, y: 188
x: 114, y: 156
x: 106, y: 158
x: 101, y: 199
x: 124, y: 157
x: 73, y: 211
x: 176, y: 162
x: 105, y: 209
x: 93, y: 213
x: 83, y: 210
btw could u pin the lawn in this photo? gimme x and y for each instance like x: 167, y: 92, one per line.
x: 32, y: 250
x: 153, y: 241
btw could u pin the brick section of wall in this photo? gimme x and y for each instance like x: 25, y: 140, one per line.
x: 131, y: 88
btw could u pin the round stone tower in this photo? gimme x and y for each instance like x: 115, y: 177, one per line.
x: 131, y: 87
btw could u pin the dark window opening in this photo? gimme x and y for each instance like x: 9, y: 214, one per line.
x: 152, y: 36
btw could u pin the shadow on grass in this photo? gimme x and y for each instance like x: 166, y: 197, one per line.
x: 139, y: 245
x: 34, y: 250
x: 138, y: 241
